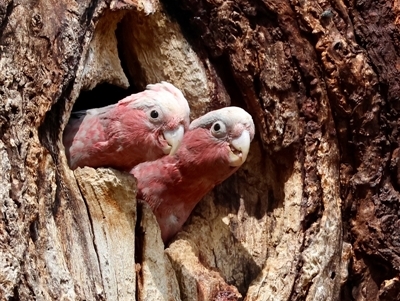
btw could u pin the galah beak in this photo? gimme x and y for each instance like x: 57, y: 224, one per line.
x: 239, y: 148
x: 174, y: 138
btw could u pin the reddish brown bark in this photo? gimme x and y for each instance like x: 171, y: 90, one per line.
x: 284, y: 58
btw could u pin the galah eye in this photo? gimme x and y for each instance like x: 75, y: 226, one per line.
x: 218, y: 129
x: 154, y: 114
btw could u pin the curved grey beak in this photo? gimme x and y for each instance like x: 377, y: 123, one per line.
x: 239, y: 149
x: 174, y: 139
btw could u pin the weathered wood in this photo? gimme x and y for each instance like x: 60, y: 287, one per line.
x: 312, y: 215
x: 157, y: 280
x: 155, y: 49
x: 316, y: 76
x: 112, y: 212
x: 40, y: 49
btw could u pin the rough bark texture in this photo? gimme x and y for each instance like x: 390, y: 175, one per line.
x: 312, y: 215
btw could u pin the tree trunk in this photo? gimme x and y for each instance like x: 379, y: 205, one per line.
x: 313, y: 213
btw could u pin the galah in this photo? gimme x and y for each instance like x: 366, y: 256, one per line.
x: 141, y: 127
x: 213, y: 148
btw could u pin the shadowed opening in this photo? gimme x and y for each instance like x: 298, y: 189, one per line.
x: 105, y: 94
x: 102, y: 95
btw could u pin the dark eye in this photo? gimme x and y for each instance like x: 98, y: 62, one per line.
x: 154, y: 114
x: 218, y: 129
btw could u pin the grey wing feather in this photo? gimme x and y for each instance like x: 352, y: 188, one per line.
x: 94, y: 111
x: 78, y: 114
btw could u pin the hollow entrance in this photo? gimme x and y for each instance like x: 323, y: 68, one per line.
x: 102, y: 95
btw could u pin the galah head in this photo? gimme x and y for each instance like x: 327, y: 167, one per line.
x: 166, y: 114
x: 231, y: 127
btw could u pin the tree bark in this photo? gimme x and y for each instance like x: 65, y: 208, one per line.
x: 313, y: 213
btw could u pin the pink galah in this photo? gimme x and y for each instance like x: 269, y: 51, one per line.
x: 215, y: 146
x: 141, y: 127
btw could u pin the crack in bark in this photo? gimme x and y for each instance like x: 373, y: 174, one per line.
x: 4, y: 17
x: 139, y: 247
x: 93, y: 231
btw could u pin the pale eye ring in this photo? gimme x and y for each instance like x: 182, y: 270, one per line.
x: 155, y: 115
x: 218, y: 129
